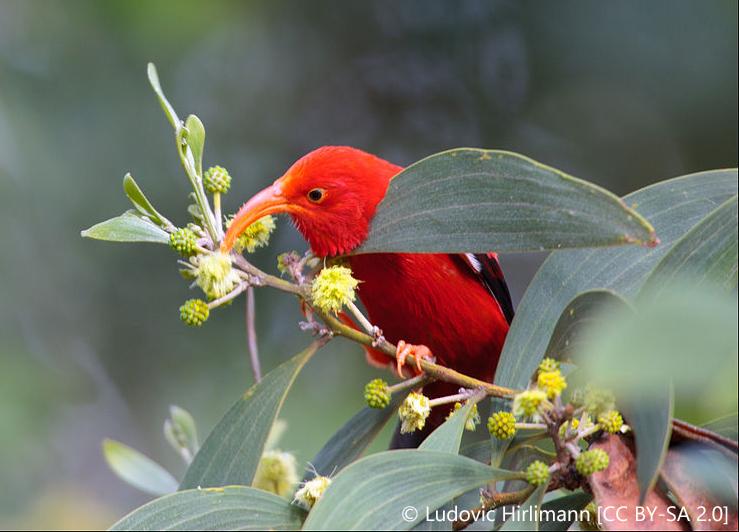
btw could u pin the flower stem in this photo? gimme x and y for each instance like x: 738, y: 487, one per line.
x: 251, y: 335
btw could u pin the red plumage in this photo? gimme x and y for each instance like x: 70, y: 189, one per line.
x: 456, y: 305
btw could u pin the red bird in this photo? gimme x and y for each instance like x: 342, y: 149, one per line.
x: 455, y: 308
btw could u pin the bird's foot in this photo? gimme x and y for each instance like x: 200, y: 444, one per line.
x: 418, y: 352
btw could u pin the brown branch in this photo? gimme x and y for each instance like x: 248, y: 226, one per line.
x: 338, y: 328
x: 495, y: 501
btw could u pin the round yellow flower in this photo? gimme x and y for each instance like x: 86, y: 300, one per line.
x: 502, y: 425
x: 552, y: 382
x: 333, y: 288
x: 413, y: 412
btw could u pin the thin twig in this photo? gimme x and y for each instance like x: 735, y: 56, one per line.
x: 495, y: 501
x: 228, y: 297
x: 251, y: 335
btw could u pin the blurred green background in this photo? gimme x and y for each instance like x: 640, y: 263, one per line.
x: 620, y: 93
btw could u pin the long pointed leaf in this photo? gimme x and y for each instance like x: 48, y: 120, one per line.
x: 352, y: 439
x: 128, y: 227
x: 472, y: 200
x: 138, y: 470
x: 231, y: 452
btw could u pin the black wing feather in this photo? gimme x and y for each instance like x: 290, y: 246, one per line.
x: 488, y: 270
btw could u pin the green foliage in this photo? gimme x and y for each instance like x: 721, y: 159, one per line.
x: 229, y: 508
x: 230, y: 454
x: 626, y: 320
x: 128, y: 227
x: 138, y: 470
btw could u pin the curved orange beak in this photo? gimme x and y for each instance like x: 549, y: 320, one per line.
x: 271, y: 200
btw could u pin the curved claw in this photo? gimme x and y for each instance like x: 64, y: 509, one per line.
x: 418, y: 352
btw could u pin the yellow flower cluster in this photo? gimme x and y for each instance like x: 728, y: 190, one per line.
x: 215, y: 276
x: 255, y: 236
x: 277, y: 473
x: 333, y: 288
x: 413, y: 412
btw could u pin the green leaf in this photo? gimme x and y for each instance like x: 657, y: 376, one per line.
x: 527, y: 514
x: 128, y: 227
x: 230, y: 508
x: 353, y: 438
x: 138, y: 470
x: 472, y: 200
x: 231, y: 452
x: 447, y: 436
x: 577, y: 316
x: 181, y: 432
x: 673, y: 206
x: 650, y: 417
x: 196, y: 141
x: 708, y: 252
x: 151, y: 72
x: 575, y: 501
x: 142, y: 204
x: 372, y: 493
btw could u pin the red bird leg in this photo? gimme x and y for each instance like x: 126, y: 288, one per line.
x: 419, y: 352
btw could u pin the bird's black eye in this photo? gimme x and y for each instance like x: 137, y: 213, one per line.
x: 316, y: 195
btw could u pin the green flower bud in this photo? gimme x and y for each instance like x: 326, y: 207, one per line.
x: 502, y: 425
x: 611, y: 421
x: 183, y: 241
x: 376, y: 394
x: 333, y: 288
x: 591, y: 461
x: 216, y: 180
x: 549, y: 364
x: 194, y: 312
x: 537, y: 473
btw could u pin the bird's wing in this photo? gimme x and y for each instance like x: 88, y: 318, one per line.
x: 488, y: 270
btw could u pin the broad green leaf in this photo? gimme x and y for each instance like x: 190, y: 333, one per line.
x: 578, y: 315
x: 128, y: 227
x: 373, y: 493
x: 141, y: 202
x: 181, y: 432
x: 447, y: 436
x: 231, y: 453
x: 229, y: 508
x: 708, y: 252
x: 562, y: 508
x: 169, y: 111
x: 138, y: 470
x: 472, y: 200
x: 196, y: 141
x: 672, y: 206
x: 353, y: 438
x: 526, y: 516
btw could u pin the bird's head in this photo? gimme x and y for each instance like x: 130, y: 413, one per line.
x: 330, y: 193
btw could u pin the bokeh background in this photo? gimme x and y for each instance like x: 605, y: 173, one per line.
x: 620, y: 93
